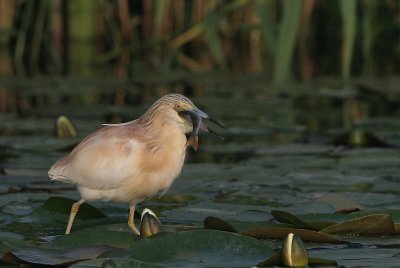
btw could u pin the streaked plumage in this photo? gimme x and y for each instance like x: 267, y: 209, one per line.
x: 132, y: 161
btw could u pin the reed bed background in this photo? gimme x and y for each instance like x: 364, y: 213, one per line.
x: 283, y: 39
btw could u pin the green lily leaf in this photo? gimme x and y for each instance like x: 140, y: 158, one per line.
x: 215, y: 223
x: 338, y: 217
x: 378, y: 224
x: 286, y: 217
x: 114, y: 263
x: 282, y: 232
x: 205, y: 247
x: 54, y: 257
x: 322, y: 262
x: 90, y: 237
x: 275, y: 259
x: 5, y: 235
x: 57, y: 209
x: 58, y: 204
x: 5, y: 245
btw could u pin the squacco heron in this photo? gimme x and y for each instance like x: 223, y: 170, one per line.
x: 133, y: 161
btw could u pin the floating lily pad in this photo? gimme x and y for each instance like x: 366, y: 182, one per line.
x: 282, y: 232
x: 63, y: 205
x: 5, y: 241
x: 359, y: 257
x: 12, y: 235
x: 379, y: 224
x: 89, y: 237
x: 275, y: 259
x: 338, y: 217
x: 339, y: 202
x: 286, y: 217
x: 201, y: 247
x: 58, y: 209
x: 54, y: 257
x: 215, y: 223
x: 114, y: 263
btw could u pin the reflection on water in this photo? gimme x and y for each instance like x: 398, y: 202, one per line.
x: 254, y: 114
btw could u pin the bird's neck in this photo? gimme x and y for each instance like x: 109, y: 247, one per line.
x: 161, y: 122
x: 165, y: 138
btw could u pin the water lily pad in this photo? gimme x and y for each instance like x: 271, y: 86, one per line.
x: 282, y: 232
x: 339, y: 202
x: 199, y: 212
x: 118, y: 224
x: 95, y: 237
x: 275, y: 259
x: 57, y: 209
x: 201, y: 247
x: 54, y: 257
x: 338, y: 217
x: 114, y: 263
x: 378, y: 224
x: 359, y: 257
x: 63, y: 205
x: 286, y: 217
x: 12, y: 235
x: 5, y: 239
x: 215, y: 223
x: 321, y: 262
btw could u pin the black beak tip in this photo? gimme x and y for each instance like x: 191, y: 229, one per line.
x: 215, y: 122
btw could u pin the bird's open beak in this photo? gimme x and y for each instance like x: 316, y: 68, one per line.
x: 197, y: 116
x: 196, y: 112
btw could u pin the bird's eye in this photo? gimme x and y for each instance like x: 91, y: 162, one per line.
x: 177, y: 106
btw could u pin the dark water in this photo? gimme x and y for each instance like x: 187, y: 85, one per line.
x: 277, y: 151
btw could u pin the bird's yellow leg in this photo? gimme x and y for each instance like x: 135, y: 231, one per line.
x: 74, y: 210
x: 131, y: 220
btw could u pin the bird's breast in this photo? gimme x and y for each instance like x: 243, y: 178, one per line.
x: 161, y: 166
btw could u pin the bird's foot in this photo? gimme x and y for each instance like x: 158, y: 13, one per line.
x: 133, y: 228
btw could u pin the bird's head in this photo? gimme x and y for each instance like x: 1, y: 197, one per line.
x: 181, y: 111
